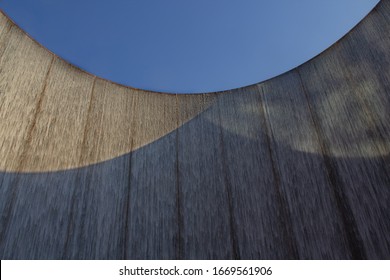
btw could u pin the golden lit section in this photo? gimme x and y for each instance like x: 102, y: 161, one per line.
x: 56, y: 117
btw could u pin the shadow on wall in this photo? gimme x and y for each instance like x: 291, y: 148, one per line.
x: 270, y: 171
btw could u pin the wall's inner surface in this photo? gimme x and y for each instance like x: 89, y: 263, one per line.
x: 296, y: 167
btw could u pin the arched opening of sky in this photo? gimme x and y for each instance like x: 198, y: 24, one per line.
x: 188, y: 46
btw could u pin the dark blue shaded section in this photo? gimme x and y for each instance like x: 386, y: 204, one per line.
x: 148, y: 205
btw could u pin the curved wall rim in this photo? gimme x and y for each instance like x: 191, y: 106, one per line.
x: 68, y: 118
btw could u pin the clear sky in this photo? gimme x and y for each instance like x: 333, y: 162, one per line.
x: 187, y: 46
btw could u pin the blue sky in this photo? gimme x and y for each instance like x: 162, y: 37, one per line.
x: 187, y: 46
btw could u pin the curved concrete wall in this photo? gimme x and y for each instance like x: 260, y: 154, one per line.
x: 295, y: 167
